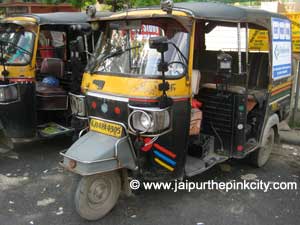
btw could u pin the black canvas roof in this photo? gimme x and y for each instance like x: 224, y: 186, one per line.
x: 212, y: 12
x: 225, y: 12
x: 63, y: 17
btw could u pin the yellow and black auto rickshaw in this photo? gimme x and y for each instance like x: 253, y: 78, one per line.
x: 42, y: 59
x: 168, y: 96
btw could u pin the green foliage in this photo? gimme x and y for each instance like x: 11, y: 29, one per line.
x: 75, y: 3
x: 81, y: 3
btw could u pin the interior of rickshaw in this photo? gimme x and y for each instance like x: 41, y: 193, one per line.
x: 220, y: 112
x: 59, y: 58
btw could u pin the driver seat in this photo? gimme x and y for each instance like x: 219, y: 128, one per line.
x: 51, y: 97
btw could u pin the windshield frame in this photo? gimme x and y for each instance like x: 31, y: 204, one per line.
x: 103, y: 36
x: 34, y: 35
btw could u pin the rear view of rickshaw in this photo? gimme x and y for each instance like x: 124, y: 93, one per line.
x: 164, y: 102
x: 42, y: 60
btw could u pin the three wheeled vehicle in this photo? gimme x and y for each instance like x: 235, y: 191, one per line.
x: 42, y: 60
x: 157, y: 74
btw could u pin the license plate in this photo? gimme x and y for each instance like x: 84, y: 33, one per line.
x: 107, y: 128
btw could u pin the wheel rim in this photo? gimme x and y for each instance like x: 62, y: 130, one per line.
x: 99, y: 192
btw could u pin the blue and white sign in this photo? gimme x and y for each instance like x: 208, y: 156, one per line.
x: 282, y: 48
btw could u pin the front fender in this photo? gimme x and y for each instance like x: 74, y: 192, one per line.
x: 273, y: 122
x: 96, y: 153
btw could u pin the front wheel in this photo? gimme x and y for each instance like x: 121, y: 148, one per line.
x: 97, y: 194
x: 261, y: 156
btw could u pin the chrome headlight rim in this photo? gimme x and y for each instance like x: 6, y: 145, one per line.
x: 9, y: 93
x: 78, y: 105
x: 143, y: 113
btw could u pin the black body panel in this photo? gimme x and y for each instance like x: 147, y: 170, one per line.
x: 19, y: 118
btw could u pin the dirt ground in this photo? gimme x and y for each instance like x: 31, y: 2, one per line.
x: 35, y: 190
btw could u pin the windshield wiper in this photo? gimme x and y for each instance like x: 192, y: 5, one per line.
x: 16, y: 46
x: 113, y: 54
x: 119, y: 52
x: 179, y: 51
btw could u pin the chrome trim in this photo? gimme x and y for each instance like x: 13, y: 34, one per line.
x: 117, y: 143
x: 106, y: 96
x: 18, y: 89
x: 62, y: 153
x: 81, y: 117
x: 83, y: 130
x: 148, y: 109
x: 140, y: 109
x: 131, y: 115
x: 78, y: 96
x: 125, y: 98
x: 154, y: 135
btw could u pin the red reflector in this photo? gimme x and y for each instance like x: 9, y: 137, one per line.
x: 117, y: 110
x: 240, y: 148
x: 147, y: 147
x: 94, y: 105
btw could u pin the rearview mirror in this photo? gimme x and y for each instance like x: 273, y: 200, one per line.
x: 159, y: 43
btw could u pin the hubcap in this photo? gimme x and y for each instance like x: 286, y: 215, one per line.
x: 99, y: 191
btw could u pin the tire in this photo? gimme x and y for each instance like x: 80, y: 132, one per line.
x: 260, y: 157
x: 97, y: 194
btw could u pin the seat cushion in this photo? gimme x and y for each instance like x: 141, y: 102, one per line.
x: 46, y: 90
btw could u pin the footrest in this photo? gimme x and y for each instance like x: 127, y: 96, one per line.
x: 53, y: 129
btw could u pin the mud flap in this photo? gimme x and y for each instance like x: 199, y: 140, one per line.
x: 96, y: 153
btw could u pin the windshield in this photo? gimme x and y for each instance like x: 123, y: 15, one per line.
x: 16, y: 45
x: 124, y: 48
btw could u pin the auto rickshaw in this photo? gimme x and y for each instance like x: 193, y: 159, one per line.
x: 163, y: 105
x: 41, y: 72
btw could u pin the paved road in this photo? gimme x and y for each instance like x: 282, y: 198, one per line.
x: 35, y: 190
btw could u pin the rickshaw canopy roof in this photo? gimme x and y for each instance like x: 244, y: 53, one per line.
x: 225, y: 12
x: 62, y: 18
x: 205, y: 11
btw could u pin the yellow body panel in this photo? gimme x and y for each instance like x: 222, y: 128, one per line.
x: 145, y: 13
x: 140, y: 87
x: 133, y: 87
x: 21, y: 19
x: 17, y: 71
x: 20, y: 71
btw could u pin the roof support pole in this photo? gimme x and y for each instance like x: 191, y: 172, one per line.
x: 239, y: 47
x: 247, y: 56
x: 86, y: 47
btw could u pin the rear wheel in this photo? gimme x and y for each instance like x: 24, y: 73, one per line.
x: 261, y: 156
x: 96, y: 195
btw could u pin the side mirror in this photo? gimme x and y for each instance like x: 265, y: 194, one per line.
x: 159, y: 43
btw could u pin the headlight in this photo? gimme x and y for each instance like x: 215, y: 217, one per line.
x: 146, y: 121
x: 152, y: 122
x: 77, y: 103
x: 8, y: 93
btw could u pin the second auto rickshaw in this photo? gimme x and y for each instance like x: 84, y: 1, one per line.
x: 42, y: 60
x: 164, y: 103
